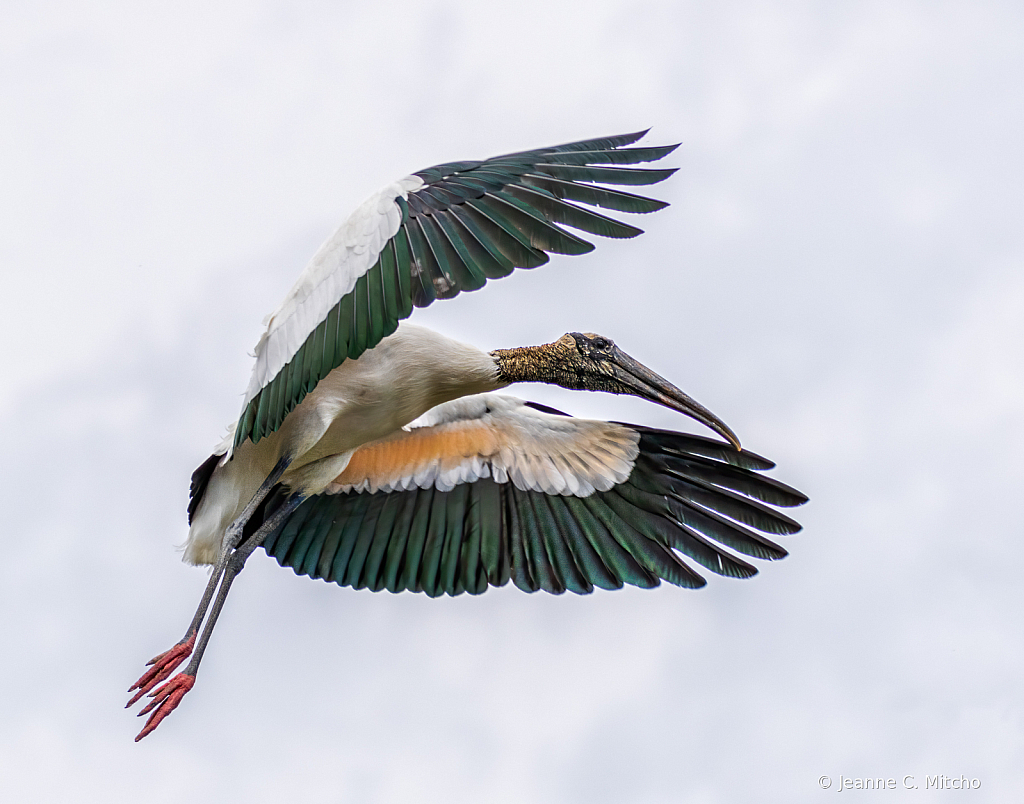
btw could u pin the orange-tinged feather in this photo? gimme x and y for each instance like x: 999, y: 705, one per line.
x: 559, y: 456
x: 404, y: 454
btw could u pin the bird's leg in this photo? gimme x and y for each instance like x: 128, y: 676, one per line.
x: 233, y: 535
x: 162, y: 665
x: 167, y: 697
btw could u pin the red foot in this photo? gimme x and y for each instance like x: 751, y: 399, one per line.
x: 165, y: 700
x: 163, y: 666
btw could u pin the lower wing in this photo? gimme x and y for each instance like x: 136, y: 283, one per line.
x: 490, y: 489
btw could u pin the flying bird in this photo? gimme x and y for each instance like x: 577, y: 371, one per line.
x: 374, y: 453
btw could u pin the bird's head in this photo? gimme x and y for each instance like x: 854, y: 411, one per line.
x: 585, y: 361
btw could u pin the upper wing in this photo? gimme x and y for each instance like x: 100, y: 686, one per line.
x: 429, y: 236
x: 495, y: 489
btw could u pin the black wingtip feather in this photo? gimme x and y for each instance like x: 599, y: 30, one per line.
x: 656, y: 440
x: 545, y: 409
x: 199, y: 482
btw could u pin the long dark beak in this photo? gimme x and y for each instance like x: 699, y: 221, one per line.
x: 646, y: 384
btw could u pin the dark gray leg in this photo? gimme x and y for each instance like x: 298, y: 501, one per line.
x: 167, y: 697
x: 163, y: 665
x: 234, y: 532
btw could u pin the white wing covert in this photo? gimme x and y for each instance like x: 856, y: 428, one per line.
x: 331, y: 274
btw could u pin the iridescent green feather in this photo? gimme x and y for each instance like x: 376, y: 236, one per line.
x: 395, y: 559
x: 363, y: 540
x: 349, y: 532
x: 456, y: 504
x: 410, y: 577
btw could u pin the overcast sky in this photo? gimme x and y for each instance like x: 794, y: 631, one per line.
x: 839, y: 277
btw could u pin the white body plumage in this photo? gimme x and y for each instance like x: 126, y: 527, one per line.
x: 404, y: 376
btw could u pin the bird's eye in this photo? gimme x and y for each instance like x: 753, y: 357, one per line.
x: 602, y: 344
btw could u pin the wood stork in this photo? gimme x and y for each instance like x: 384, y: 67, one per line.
x: 325, y: 472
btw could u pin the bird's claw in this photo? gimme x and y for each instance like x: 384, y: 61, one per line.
x: 161, y: 667
x: 165, y: 700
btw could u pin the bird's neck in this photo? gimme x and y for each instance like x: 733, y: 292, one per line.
x: 545, y: 363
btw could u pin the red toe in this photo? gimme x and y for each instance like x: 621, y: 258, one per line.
x: 165, y: 700
x: 162, y: 666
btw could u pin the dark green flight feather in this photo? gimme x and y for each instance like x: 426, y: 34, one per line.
x: 687, y: 497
